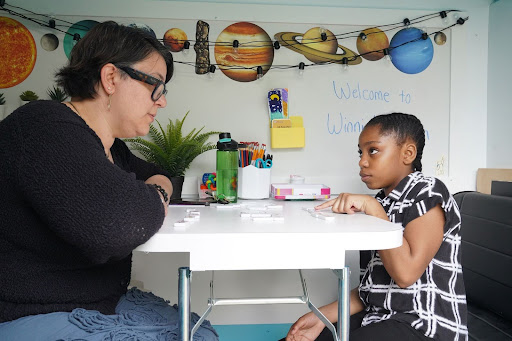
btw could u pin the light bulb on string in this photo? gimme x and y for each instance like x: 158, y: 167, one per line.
x: 277, y: 46
x: 323, y: 33
x: 363, y: 36
x: 301, y: 69
x: 259, y: 73
x: 456, y: 16
x: 51, y: 23
x: 236, y: 44
x: 344, y: 63
x: 186, y: 47
x: 424, y: 33
x: 406, y: 22
x: 211, y: 71
x: 387, y: 55
x: 444, y: 17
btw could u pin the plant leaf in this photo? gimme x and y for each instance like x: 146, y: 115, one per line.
x: 170, y: 148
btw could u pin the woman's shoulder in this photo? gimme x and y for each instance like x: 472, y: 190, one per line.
x: 49, y: 122
x: 43, y: 113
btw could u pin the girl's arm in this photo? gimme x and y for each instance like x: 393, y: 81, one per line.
x: 308, y: 327
x: 422, y: 238
x: 331, y: 310
x: 421, y: 241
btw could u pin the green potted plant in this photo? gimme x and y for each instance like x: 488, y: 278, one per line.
x: 2, y: 106
x: 173, y: 150
x: 27, y: 96
x: 57, y: 94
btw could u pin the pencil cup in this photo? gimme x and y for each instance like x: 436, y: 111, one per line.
x: 253, y: 183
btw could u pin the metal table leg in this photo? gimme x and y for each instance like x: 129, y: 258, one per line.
x: 184, y: 303
x: 343, y: 303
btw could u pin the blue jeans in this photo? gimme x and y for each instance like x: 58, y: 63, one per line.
x: 139, y: 316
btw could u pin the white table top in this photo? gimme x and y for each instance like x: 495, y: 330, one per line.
x: 222, y: 240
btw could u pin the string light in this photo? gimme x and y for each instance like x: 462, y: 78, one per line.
x: 322, y: 30
x: 344, y: 63
x: 323, y: 33
x: 186, y: 47
x: 301, y: 69
x: 387, y: 56
x: 444, y: 17
x: 458, y: 19
x: 211, y: 71
x: 235, y: 46
x: 424, y: 33
x: 259, y: 73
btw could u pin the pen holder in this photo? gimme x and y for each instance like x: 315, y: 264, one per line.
x: 253, y: 183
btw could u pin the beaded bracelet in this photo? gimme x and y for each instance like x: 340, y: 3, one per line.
x: 162, y: 191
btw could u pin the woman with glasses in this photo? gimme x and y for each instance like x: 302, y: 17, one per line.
x: 75, y: 201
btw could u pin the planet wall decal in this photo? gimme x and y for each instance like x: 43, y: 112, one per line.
x: 80, y: 27
x: 143, y: 27
x: 313, y: 39
x: 440, y: 38
x: 18, y: 51
x: 410, y: 53
x: 255, y: 49
x: 49, y: 42
x: 315, y: 49
x: 371, y: 42
x: 175, y: 38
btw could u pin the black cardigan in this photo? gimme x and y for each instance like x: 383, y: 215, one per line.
x: 69, y: 218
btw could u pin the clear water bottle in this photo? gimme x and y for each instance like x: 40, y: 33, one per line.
x: 227, y: 168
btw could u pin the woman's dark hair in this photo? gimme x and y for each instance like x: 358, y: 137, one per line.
x: 403, y: 126
x: 107, y: 42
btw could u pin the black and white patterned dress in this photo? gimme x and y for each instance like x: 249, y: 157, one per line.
x: 436, y: 304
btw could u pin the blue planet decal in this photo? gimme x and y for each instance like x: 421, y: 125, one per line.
x: 81, y: 27
x: 409, y: 52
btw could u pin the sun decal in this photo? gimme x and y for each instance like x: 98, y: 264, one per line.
x: 18, y: 51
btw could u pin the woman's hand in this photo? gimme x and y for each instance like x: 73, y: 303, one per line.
x: 307, y: 328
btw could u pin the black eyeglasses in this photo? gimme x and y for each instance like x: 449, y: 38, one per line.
x: 159, y: 89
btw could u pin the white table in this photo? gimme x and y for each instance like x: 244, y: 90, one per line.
x: 222, y: 240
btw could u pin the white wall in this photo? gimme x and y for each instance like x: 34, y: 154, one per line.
x: 499, y: 116
x: 468, y: 125
x: 468, y: 109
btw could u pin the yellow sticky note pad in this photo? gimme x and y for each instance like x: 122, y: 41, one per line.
x: 281, y: 123
x: 292, y: 137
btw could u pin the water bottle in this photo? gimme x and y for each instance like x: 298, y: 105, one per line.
x: 227, y: 168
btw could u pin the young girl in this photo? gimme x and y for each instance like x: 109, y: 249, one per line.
x: 415, y: 291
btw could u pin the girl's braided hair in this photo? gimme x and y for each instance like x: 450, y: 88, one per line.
x: 403, y: 126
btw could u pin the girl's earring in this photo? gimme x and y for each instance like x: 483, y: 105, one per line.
x: 109, y: 101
